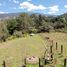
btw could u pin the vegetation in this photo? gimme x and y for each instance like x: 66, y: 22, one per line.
x: 32, y: 23
x: 14, y: 51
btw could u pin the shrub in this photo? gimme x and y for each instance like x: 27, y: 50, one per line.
x: 17, y: 33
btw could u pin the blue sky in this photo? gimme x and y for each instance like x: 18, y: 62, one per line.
x: 55, y: 7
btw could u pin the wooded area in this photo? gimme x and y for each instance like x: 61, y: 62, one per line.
x: 32, y: 23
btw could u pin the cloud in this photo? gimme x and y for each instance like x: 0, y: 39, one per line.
x: 65, y: 6
x: 15, y: 1
x: 53, y: 9
x: 1, y: 12
x: 30, y: 7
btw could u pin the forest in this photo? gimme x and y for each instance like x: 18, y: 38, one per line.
x: 31, y: 23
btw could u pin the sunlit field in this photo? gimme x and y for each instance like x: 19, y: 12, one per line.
x: 14, y: 51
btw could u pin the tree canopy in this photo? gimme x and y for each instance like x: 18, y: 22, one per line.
x: 32, y: 23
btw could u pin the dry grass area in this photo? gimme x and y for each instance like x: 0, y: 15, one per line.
x: 61, y: 39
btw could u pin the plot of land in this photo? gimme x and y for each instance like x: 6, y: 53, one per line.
x: 61, y: 39
x: 14, y: 51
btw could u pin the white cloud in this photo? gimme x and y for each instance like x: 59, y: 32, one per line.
x: 51, y: 12
x: 65, y: 6
x: 1, y: 12
x: 53, y: 9
x: 16, y: 1
x: 30, y: 7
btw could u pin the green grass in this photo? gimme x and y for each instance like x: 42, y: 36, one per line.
x: 14, y: 51
x: 32, y: 65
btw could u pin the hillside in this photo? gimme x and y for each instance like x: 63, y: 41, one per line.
x: 9, y: 15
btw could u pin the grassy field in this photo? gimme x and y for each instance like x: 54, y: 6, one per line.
x: 61, y: 39
x: 14, y: 51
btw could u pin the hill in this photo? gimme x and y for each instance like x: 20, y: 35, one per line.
x: 9, y: 15
x: 12, y: 15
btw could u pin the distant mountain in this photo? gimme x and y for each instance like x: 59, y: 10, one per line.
x: 9, y: 15
x: 13, y: 15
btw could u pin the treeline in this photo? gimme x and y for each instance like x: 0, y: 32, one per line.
x: 31, y: 23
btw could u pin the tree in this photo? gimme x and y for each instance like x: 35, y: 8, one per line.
x: 11, y: 25
x: 24, y: 22
x: 3, y: 32
x: 58, y: 25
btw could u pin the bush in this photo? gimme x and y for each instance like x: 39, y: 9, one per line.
x: 17, y: 33
x: 33, y: 30
x: 11, y: 37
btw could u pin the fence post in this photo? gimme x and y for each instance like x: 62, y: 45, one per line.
x: 51, y: 56
x: 39, y: 62
x: 45, y: 61
x: 4, y: 64
x: 52, y: 42
x: 61, y: 49
x: 51, y: 49
x: 40, y: 65
x: 25, y: 62
x: 56, y: 45
x: 65, y: 62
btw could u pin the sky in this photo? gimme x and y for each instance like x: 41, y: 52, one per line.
x: 52, y: 7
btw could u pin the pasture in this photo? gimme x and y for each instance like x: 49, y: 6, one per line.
x: 14, y: 51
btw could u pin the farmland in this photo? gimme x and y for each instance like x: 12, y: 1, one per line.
x: 14, y: 51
